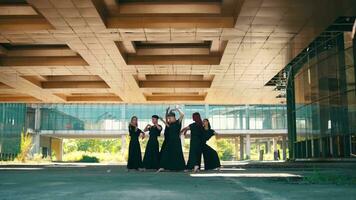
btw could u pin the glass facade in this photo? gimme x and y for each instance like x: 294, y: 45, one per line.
x: 12, y: 121
x: 322, y: 98
x: 117, y: 116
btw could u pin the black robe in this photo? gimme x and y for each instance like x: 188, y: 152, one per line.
x: 211, y: 158
x: 151, y: 158
x: 171, y: 152
x: 196, y: 143
x: 135, y: 158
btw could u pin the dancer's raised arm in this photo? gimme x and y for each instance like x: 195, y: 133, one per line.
x: 165, y: 122
x: 167, y: 111
x: 184, y: 130
x: 181, y: 114
x: 148, y: 126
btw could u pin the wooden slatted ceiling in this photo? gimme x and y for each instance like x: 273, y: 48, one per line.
x: 257, y: 46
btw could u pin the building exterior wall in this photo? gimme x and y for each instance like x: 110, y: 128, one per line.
x: 12, y: 121
x: 104, y: 118
x: 113, y: 117
x: 321, y: 99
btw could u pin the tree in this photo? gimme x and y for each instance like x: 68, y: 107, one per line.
x: 25, y: 146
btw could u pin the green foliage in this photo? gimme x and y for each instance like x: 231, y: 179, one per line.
x: 92, y: 145
x: 105, y: 150
x: 89, y: 159
x: 25, y: 146
x: 225, y: 149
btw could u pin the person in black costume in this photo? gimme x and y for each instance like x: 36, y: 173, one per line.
x: 151, y: 158
x: 196, y: 142
x: 135, y: 158
x: 171, y: 152
x: 164, y: 144
x: 211, y: 158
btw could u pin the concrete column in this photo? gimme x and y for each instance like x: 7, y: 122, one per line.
x: 284, y: 141
x: 268, y: 146
x: 207, y: 111
x: 36, y: 148
x: 241, y: 147
x: 123, y: 144
x: 60, y: 156
x: 37, y: 119
x: 274, y: 144
x: 248, y: 146
x: 236, y: 148
x: 274, y: 141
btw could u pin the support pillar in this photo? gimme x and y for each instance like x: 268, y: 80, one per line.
x: 284, y: 141
x: 258, y: 145
x: 37, y: 119
x: 123, y: 145
x: 242, y: 147
x: 268, y: 146
x: 236, y: 148
x: 60, y: 154
x: 248, y: 147
x: 275, y: 157
x: 36, y: 148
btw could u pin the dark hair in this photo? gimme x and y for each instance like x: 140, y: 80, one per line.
x: 209, y: 127
x: 171, y: 114
x: 197, y: 119
x: 155, y: 116
x: 133, y: 117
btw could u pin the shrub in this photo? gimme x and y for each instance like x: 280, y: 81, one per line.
x: 225, y: 149
x: 89, y: 159
x: 25, y: 146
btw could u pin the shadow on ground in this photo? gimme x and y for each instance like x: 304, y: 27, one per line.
x: 239, y: 181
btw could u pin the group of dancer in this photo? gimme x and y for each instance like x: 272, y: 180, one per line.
x: 171, y: 155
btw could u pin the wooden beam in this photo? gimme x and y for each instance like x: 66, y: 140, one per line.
x: 174, y: 84
x: 41, y: 52
x: 17, y: 9
x: 21, y: 23
x: 215, y: 46
x: 73, y: 78
x: 37, y: 80
x: 4, y: 86
x: 176, y: 98
x: 169, y: 7
x: 173, y: 60
x: 167, y: 77
x: 172, y: 51
x: 74, y: 84
x: 93, y: 98
x: 129, y: 46
x: 173, y: 94
x: 3, y: 51
x: 22, y: 99
x: 170, y: 22
x: 43, y: 61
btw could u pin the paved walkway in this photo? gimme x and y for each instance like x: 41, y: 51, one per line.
x: 71, y: 181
